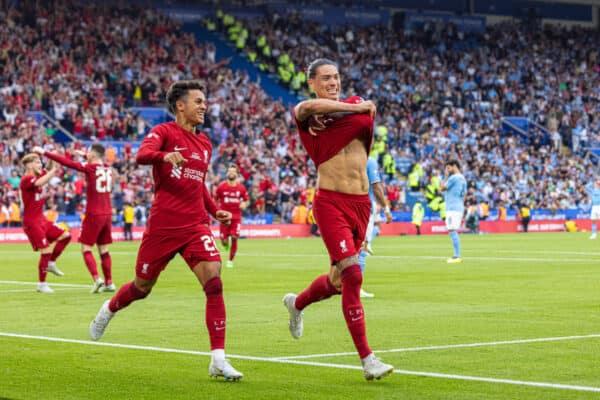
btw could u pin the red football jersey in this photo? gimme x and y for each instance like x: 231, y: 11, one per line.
x: 339, y: 132
x: 99, y: 184
x: 229, y: 198
x: 181, y: 199
x: 33, y: 199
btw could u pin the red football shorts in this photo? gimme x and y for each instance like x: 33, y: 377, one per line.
x: 96, y: 229
x: 233, y: 229
x: 159, y: 247
x: 342, y: 219
x: 40, y: 235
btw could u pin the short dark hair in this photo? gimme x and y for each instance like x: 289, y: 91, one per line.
x: 453, y: 162
x: 97, y: 148
x: 313, y: 66
x: 180, y: 89
x: 234, y: 166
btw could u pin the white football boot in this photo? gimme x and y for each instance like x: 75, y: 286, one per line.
x: 43, y: 287
x: 99, y: 324
x: 97, y: 285
x: 108, y: 288
x: 52, y: 268
x: 366, y: 295
x: 373, y: 368
x: 218, y: 368
x: 296, y: 325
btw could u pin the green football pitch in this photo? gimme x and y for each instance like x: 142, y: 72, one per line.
x: 518, y: 319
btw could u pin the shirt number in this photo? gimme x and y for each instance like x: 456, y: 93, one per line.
x: 103, y: 180
x: 209, y: 243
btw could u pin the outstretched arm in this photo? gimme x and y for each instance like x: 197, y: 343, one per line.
x: 59, y: 159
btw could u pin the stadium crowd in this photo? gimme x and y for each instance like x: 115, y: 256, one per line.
x: 438, y: 92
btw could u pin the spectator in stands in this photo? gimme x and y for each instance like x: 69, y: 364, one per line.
x: 418, y: 212
x: 14, y: 179
x: 300, y: 214
x: 4, y: 214
x: 128, y: 218
x: 437, y: 92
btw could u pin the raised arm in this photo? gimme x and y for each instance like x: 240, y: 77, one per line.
x: 150, y: 151
x: 308, y: 108
x: 59, y: 159
x: 65, y: 161
x: 42, y: 180
x: 445, y: 183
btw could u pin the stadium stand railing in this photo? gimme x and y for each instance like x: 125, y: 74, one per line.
x: 239, y: 62
x: 61, y: 135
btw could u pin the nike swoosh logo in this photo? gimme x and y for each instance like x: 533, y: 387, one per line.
x: 213, y: 254
x: 356, y: 319
x: 219, y: 329
x: 180, y: 148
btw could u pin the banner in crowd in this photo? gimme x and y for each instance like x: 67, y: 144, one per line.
x: 416, y: 20
x: 335, y: 15
x: 74, y: 221
x: 287, y: 231
x: 511, y: 215
x: 186, y: 14
x: 541, y: 225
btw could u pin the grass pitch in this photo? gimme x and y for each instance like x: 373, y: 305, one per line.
x: 518, y: 319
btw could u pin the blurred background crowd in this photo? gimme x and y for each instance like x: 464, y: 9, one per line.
x: 439, y: 92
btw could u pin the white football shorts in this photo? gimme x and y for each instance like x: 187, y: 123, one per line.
x: 453, y: 220
x: 595, y: 212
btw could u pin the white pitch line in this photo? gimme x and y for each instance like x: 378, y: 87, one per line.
x: 413, y: 257
x: 74, y: 285
x: 576, y: 253
x: 31, y: 290
x: 451, y: 346
x: 498, y: 380
x: 314, y: 364
x: 530, y: 259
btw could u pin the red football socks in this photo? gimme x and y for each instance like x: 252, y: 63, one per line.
x: 59, y: 247
x: 90, y: 263
x: 106, y: 263
x: 233, y: 248
x: 215, y: 313
x: 43, y: 267
x: 320, y: 289
x: 127, y: 294
x: 353, y: 309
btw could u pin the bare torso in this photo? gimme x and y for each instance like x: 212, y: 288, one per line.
x: 346, y: 172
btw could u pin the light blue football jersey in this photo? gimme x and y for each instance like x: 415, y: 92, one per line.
x: 594, y: 193
x: 373, y: 175
x: 456, y: 188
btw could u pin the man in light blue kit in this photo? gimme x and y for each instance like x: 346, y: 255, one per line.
x: 593, y: 188
x: 378, y: 202
x: 455, y: 187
